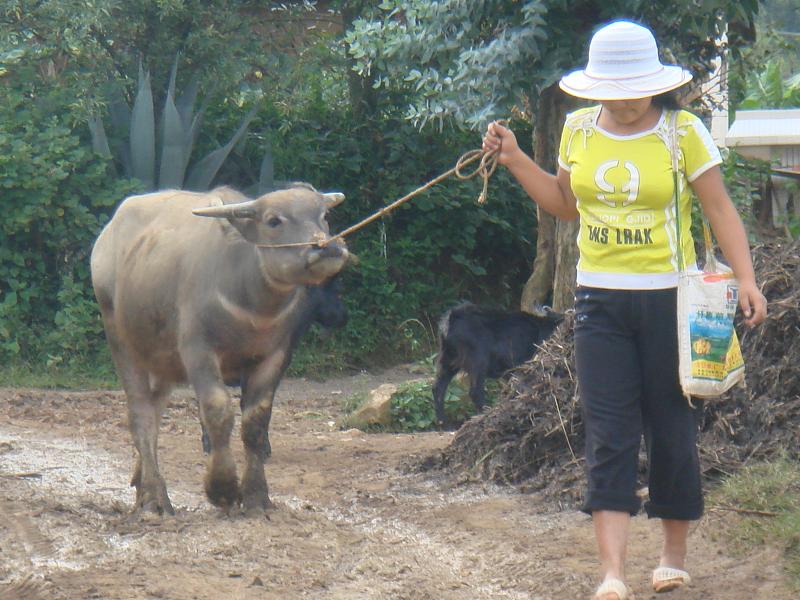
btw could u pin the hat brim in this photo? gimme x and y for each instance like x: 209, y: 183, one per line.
x: 581, y: 85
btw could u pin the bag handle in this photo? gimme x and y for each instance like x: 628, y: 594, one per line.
x: 711, y: 261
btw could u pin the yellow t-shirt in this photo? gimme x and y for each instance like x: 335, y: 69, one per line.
x: 624, y: 188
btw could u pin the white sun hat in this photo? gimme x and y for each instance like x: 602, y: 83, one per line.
x: 623, y: 65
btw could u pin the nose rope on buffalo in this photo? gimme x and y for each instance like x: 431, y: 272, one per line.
x: 486, y: 168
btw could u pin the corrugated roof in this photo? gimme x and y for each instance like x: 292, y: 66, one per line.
x: 765, y: 128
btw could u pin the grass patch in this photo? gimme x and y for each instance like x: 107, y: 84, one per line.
x: 412, y: 406
x: 769, y: 488
x: 70, y: 376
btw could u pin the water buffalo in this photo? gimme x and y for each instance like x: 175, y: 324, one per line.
x: 209, y: 301
x: 485, y: 342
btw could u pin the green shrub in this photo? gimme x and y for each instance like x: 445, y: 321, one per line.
x: 412, y: 405
x: 57, y: 194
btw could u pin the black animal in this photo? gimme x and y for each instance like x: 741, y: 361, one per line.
x: 323, y: 306
x: 485, y: 342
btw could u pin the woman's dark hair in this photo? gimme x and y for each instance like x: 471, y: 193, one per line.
x: 668, y: 100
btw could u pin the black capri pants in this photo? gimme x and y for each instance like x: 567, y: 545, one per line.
x: 626, y: 352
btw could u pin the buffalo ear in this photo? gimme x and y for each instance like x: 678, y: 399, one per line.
x: 247, y: 228
x: 331, y: 199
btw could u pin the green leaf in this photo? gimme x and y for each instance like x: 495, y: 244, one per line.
x: 204, y: 171
x: 186, y: 100
x: 99, y: 139
x: 10, y: 300
x: 143, y: 139
x: 173, y: 149
x: 120, y: 114
x: 266, y: 179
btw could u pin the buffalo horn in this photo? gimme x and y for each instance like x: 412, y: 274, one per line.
x: 332, y: 199
x: 241, y: 210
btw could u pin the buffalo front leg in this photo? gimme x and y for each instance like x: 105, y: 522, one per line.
x: 257, y: 398
x: 216, y: 413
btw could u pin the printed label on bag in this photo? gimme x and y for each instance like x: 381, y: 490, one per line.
x: 711, y: 338
x: 710, y: 358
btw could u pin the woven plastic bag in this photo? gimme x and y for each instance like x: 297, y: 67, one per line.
x: 710, y: 358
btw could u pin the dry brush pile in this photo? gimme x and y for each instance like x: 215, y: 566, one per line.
x: 533, y: 437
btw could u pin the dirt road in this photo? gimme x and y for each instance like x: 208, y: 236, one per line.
x: 348, y: 522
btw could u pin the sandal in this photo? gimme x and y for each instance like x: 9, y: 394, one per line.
x: 666, y: 579
x: 613, y: 587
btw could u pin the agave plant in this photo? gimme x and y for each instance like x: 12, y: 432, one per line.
x: 158, y: 154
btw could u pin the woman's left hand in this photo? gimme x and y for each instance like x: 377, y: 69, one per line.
x: 753, y: 303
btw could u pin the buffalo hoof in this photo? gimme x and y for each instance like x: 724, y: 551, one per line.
x: 222, y: 484
x: 256, y: 506
x: 255, y: 493
x: 154, y: 500
x: 223, y: 493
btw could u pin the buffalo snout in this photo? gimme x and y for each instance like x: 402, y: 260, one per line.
x: 335, y: 252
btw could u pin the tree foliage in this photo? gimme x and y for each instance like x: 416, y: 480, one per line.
x: 767, y: 88
x: 91, y: 47
x: 476, y: 61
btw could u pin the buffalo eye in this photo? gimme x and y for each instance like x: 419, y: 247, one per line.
x: 274, y: 222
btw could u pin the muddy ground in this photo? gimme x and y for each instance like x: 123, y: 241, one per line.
x: 348, y: 523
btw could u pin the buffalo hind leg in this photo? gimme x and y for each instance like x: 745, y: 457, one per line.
x: 145, y: 422
x: 216, y: 413
x: 144, y: 417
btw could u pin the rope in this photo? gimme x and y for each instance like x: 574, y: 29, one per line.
x: 486, y: 168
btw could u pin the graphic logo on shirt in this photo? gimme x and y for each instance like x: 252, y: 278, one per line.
x: 628, y: 227
x: 631, y: 188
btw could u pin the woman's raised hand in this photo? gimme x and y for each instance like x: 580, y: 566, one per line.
x: 502, y: 140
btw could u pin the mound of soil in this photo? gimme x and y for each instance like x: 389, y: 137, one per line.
x: 533, y: 438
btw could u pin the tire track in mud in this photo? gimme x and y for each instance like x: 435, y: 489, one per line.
x: 373, y: 542
x: 28, y: 589
x: 437, y: 547
x: 399, y: 547
x: 18, y: 530
x: 36, y: 546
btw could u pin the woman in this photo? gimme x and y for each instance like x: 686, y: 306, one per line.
x: 615, y: 173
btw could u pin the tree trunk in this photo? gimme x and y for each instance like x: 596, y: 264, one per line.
x: 548, y: 121
x: 566, y: 260
x: 537, y: 289
x: 363, y: 97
